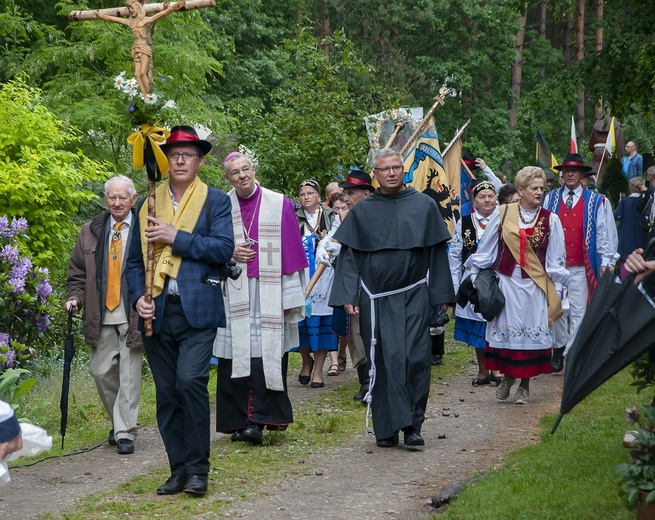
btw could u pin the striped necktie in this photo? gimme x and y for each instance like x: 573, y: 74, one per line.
x: 114, y: 268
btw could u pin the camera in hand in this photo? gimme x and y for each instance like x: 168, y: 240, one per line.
x: 230, y: 270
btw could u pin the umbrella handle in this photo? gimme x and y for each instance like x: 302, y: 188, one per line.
x: 70, y: 320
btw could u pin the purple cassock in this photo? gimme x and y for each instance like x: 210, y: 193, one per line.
x: 293, y: 253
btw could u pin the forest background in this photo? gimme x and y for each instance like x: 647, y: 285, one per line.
x: 291, y: 80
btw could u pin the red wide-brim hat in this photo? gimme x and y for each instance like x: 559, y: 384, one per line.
x: 186, y: 135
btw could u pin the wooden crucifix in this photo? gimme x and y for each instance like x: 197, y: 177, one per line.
x: 135, y: 16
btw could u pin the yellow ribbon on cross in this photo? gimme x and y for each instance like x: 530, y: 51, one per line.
x: 156, y: 135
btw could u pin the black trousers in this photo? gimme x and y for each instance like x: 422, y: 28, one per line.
x: 179, y: 357
x: 246, y: 399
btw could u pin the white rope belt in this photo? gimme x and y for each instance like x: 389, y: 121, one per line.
x: 369, y: 395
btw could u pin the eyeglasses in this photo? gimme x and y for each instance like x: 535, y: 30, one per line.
x: 396, y: 169
x: 186, y: 157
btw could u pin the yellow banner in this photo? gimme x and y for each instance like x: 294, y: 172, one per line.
x: 425, y: 171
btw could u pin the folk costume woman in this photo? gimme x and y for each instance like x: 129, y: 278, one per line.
x: 316, y: 335
x: 525, y: 244
x: 470, y: 327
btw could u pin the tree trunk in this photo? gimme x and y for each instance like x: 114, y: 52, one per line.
x: 579, y: 55
x: 515, y: 86
x: 568, y: 38
x: 599, y: 47
x: 542, y: 18
x: 324, y: 24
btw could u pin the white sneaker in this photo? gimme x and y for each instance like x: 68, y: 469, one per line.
x: 502, y: 392
x: 522, y: 395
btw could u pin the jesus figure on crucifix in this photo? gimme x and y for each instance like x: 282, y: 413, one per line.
x: 141, y: 27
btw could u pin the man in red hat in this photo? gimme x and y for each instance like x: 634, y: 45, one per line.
x: 591, y: 246
x: 193, y: 239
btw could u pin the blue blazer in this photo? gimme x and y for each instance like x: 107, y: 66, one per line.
x: 202, y: 253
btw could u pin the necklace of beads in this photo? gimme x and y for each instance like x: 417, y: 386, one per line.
x: 532, y: 220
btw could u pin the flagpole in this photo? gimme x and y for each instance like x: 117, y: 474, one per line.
x: 600, y: 164
x: 611, y: 136
x: 457, y: 136
x: 400, y: 124
x: 438, y: 100
x: 466, y: 169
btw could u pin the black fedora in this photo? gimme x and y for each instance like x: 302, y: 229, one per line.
x: 184, y: 134
x: 573, y: 160
x: 357, y: 179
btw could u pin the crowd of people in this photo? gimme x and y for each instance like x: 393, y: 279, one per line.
x: 251, y: 276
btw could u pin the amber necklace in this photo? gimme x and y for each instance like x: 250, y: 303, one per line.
x: 532, y: 220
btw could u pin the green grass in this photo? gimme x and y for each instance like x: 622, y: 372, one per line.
x: 567, y: 475
x: 571, y: 474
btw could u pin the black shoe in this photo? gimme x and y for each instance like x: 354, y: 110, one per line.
x: 174, y: 485
x: 252, y: 434
x: 483, y: 381
x: 558, y: 359
x: 317, y: 384
x: 111, y: 440
x: 363, y: 389
x: 437, y: 360
x: 125, y: 447
x: 413, y: 439
x: 196, y: 485
x: 304, y: 380
x: 389, y: 442
x: 236, y: 436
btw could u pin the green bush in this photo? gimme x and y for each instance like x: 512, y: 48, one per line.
x: 41, y: 174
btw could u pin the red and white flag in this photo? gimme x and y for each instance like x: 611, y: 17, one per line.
x: 574, y: 139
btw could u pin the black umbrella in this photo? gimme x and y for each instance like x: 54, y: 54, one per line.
x: 618, y: 328
x: 69, y: 353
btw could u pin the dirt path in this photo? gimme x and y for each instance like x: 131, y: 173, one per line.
x: 354, y: 481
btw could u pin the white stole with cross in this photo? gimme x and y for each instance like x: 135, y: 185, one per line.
x: 270, y: 294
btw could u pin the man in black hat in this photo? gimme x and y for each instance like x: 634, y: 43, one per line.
x: 591, y: 245
x: 356, y: 187
x: 193, y: 238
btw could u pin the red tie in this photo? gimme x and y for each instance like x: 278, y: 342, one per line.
x: 114, y: 268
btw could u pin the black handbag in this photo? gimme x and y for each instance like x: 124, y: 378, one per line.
x: 485, y: 296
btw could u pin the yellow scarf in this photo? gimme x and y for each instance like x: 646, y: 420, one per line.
x: 184, y: 219
x: 532, y: 266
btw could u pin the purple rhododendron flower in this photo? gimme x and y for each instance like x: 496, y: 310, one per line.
x: 44, y: 289
x: 18, y: 224
x: 19, y: 273
x: 4, y: 339
x: 10, y: 357
x: 5, y: 231
x: 42, y: 321
x: 9, y: 253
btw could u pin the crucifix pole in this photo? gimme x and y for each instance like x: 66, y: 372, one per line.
x: 135, y: 16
